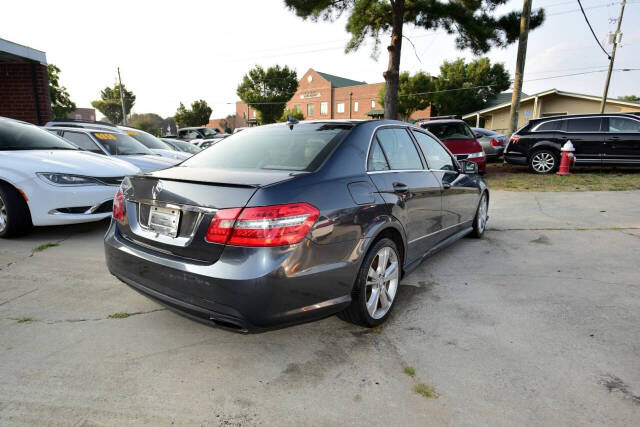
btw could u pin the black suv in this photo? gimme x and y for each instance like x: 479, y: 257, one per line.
x: 599, y: 139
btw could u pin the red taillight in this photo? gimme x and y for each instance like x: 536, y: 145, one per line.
x: 275, y: 225
x: 118, y: 206
x: 222, y: 225
x: 496, y: 143
x: 514, y: 138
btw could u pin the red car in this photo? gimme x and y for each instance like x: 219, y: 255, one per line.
x: 459, y: 139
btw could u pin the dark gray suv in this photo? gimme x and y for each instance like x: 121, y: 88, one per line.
x: 294, y: 221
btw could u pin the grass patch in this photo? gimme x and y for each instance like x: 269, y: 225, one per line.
x: 409, y: 371
x: 502, y: 176
x: 26, y: 320
x: 119, y: 315
x: 44, y: 246
x: 425, y: 390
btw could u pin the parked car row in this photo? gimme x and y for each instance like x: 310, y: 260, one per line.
x: 66, y: 172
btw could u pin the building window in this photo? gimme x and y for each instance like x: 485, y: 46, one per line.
x: 355, y: 106
x: 309, y: 110
x: 373, y: 103
x: 324, y: 108
x: 254, y: 113
x: 296, y: 108
x: 340, y: 107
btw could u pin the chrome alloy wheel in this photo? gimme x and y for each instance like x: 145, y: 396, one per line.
x: 482, y: 214
x: 382, y: 282
x: 543, y: 162
x: 3, y: 215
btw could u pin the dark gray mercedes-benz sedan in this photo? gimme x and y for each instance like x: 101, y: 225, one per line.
x: 292, y: 222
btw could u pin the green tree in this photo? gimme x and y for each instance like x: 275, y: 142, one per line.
x: 198, y: 115
x: 474, y: 22
x: 267, y: 91
x: 414, y: 93
x: 630, y: 98
x: 295, y: 114
x: 109, y: 103
x: 148, y: 122
x: 61, y: 102
x: 464, y: 87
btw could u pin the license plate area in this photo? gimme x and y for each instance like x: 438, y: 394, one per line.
x: 164, y: 221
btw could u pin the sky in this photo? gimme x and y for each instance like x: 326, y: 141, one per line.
x: 171, y: 52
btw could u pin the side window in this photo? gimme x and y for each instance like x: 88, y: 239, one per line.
x: 620, y: 124
x: 591, y: 124
x: 399, y: 149
x: 377, y: 161
x: 550, y: 126
x: 82, y: 141
x: 437, y: 157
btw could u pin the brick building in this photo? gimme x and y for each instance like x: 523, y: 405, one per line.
x: 325, y: 96
x: 24, y: 84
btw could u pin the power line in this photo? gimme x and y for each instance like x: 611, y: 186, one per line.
x: 593, y: 32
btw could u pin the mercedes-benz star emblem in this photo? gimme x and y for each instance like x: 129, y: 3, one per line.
x: 157, y: 189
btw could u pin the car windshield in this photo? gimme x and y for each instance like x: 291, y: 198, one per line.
x: 147, y: 140
x: 302, y: 147
x: 120, y: 144
x: 22, y: 136
x: 450, y: 130
x: 183, y: 146
x: 209, y: 132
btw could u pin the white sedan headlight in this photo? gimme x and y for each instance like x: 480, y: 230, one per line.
x: 65, y: 179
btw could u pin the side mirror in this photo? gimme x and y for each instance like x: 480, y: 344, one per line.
x: 469, y: 168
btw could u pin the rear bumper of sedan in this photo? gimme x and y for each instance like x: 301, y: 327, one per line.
x: 246, y: 289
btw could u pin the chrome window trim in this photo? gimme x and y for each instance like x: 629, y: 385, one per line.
x: 535, y: 129
x: 373, y: 134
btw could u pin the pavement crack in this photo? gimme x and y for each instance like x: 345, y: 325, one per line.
x: 19, y: 296
x: 53, y: 322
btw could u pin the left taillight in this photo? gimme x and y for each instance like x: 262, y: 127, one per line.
x: 118, y: 206
x: 275, y: 225
x: 496, y: 143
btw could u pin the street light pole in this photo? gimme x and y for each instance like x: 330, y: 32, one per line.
x: 616, y: 40
x: 124, y: 114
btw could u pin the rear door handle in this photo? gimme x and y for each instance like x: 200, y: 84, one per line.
x: 400, y: 187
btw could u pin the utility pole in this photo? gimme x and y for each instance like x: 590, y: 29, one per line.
x: 124, y: 115
x: 522, y: 56
x: 616, y: 39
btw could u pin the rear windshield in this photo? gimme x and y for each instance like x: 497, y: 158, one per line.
x: 147, y: 140
x: 20, y: 136
x: 120, y: 144
x: 445, y: 131
x: 301, y: 147
x: 183, y: 146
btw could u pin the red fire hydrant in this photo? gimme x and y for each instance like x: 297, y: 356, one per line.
x: 567, y: 159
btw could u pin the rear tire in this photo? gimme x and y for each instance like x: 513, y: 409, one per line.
x: 15, y: 219
x: 544, y: 161
x: 480, y: 220
x: 376, y: 287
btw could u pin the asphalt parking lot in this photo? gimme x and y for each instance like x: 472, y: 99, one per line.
x: 538, y: 324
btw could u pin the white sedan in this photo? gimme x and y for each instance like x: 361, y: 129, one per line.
x: 45, y: 180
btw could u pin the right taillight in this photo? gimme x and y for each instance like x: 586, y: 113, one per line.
x: 496, y: 143
x: 118, y: 206
x: 275, y: 225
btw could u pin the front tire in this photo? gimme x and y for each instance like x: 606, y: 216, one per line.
x: 15, y: 219
x: 376, y: 286
x: 544, y: 161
